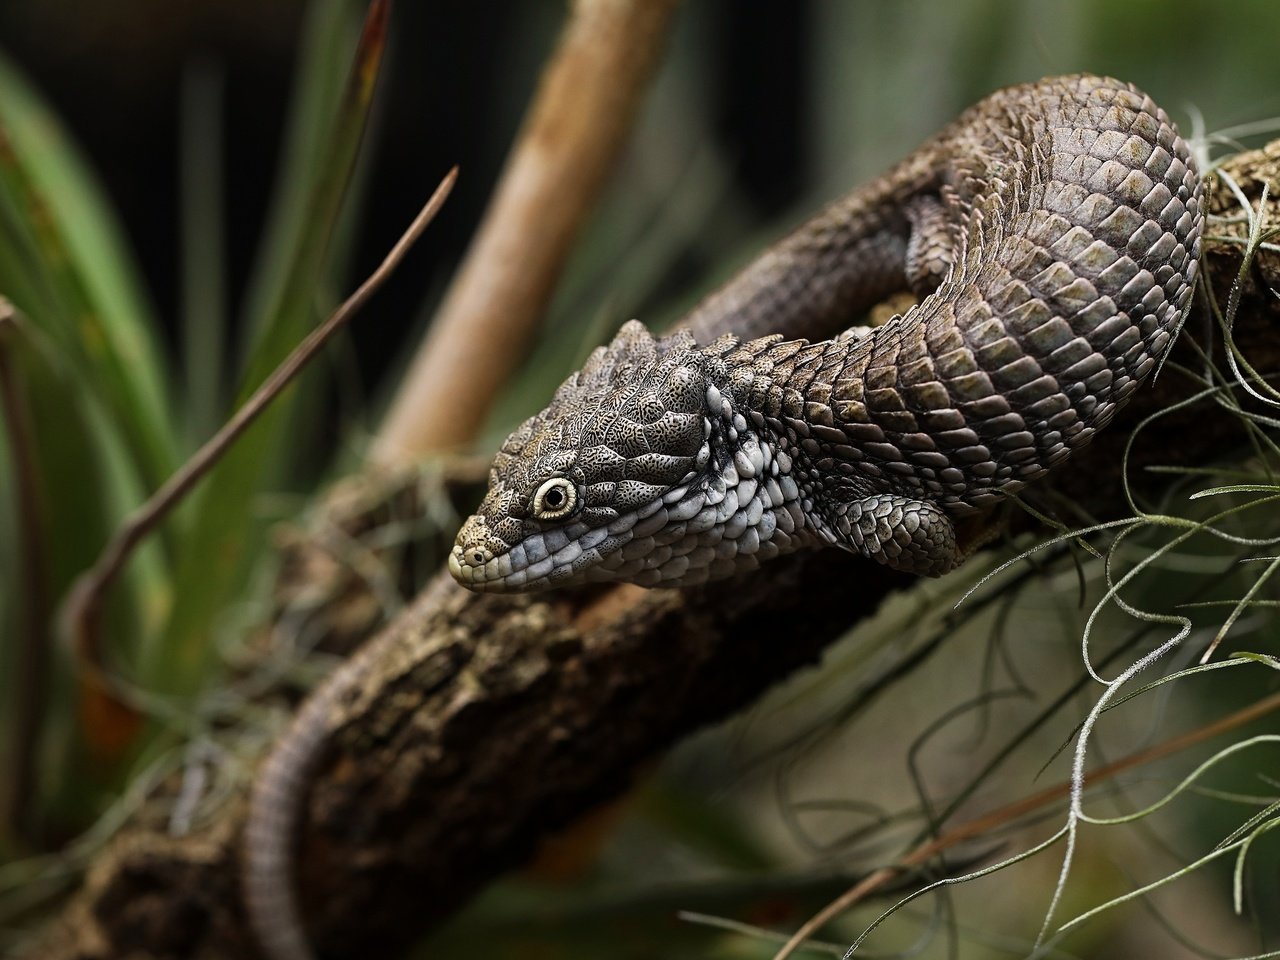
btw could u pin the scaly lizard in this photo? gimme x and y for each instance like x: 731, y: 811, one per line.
x: 1053, y: 231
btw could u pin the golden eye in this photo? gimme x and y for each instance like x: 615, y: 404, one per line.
x: 555, y: 498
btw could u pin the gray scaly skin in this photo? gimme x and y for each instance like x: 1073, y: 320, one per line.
x: 1054, y: 231
x: 1057, y: 227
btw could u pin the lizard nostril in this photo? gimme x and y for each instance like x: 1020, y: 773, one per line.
x: 478, y: 557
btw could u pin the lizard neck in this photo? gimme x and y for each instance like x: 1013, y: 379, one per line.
x: 775, y: 430
x: 809, y: 404
x: 787, y: 392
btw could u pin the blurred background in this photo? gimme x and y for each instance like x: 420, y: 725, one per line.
x: 182, y: 112
x: 762, y: 111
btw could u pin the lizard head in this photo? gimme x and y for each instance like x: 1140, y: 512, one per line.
x: 618, y: 479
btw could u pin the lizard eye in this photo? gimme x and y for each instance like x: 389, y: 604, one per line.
x: 556, y: 498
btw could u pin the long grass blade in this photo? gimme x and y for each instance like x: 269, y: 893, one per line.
x: 216, y: 558
x: 79, y: 285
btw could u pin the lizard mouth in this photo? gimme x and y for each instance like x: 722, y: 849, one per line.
x: 541, y: 560
x: 707, y: 528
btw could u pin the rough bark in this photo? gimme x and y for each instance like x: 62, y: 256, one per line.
x: 489, y: 721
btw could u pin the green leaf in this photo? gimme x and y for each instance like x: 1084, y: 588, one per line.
x: 91, y: 379
x: 318, y: 166
x: 86, y: 353
x: 64, y: 263
x: 75, y: 448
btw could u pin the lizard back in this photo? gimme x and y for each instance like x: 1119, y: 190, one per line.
x: 1071, y: 210
x: 1053, y: 231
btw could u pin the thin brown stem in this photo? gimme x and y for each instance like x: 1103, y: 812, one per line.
x: 1009, y: 813
x: 84, y: 604
x: 32, y: 659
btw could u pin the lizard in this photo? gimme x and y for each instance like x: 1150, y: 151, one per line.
x: 1052, y: 232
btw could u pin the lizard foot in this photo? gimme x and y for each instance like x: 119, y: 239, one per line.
x: 914, y: 536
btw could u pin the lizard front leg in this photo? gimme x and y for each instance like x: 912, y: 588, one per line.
x: 914, y: 536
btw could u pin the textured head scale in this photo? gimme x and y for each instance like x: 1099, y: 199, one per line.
x: 622, y: 438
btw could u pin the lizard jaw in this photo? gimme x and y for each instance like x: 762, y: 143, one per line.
x: 706, y: 529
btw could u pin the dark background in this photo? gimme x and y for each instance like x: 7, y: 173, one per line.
x: 457, y: 80
x: 795, y: 102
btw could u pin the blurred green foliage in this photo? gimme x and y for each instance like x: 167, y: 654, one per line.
x: 103, y: 398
